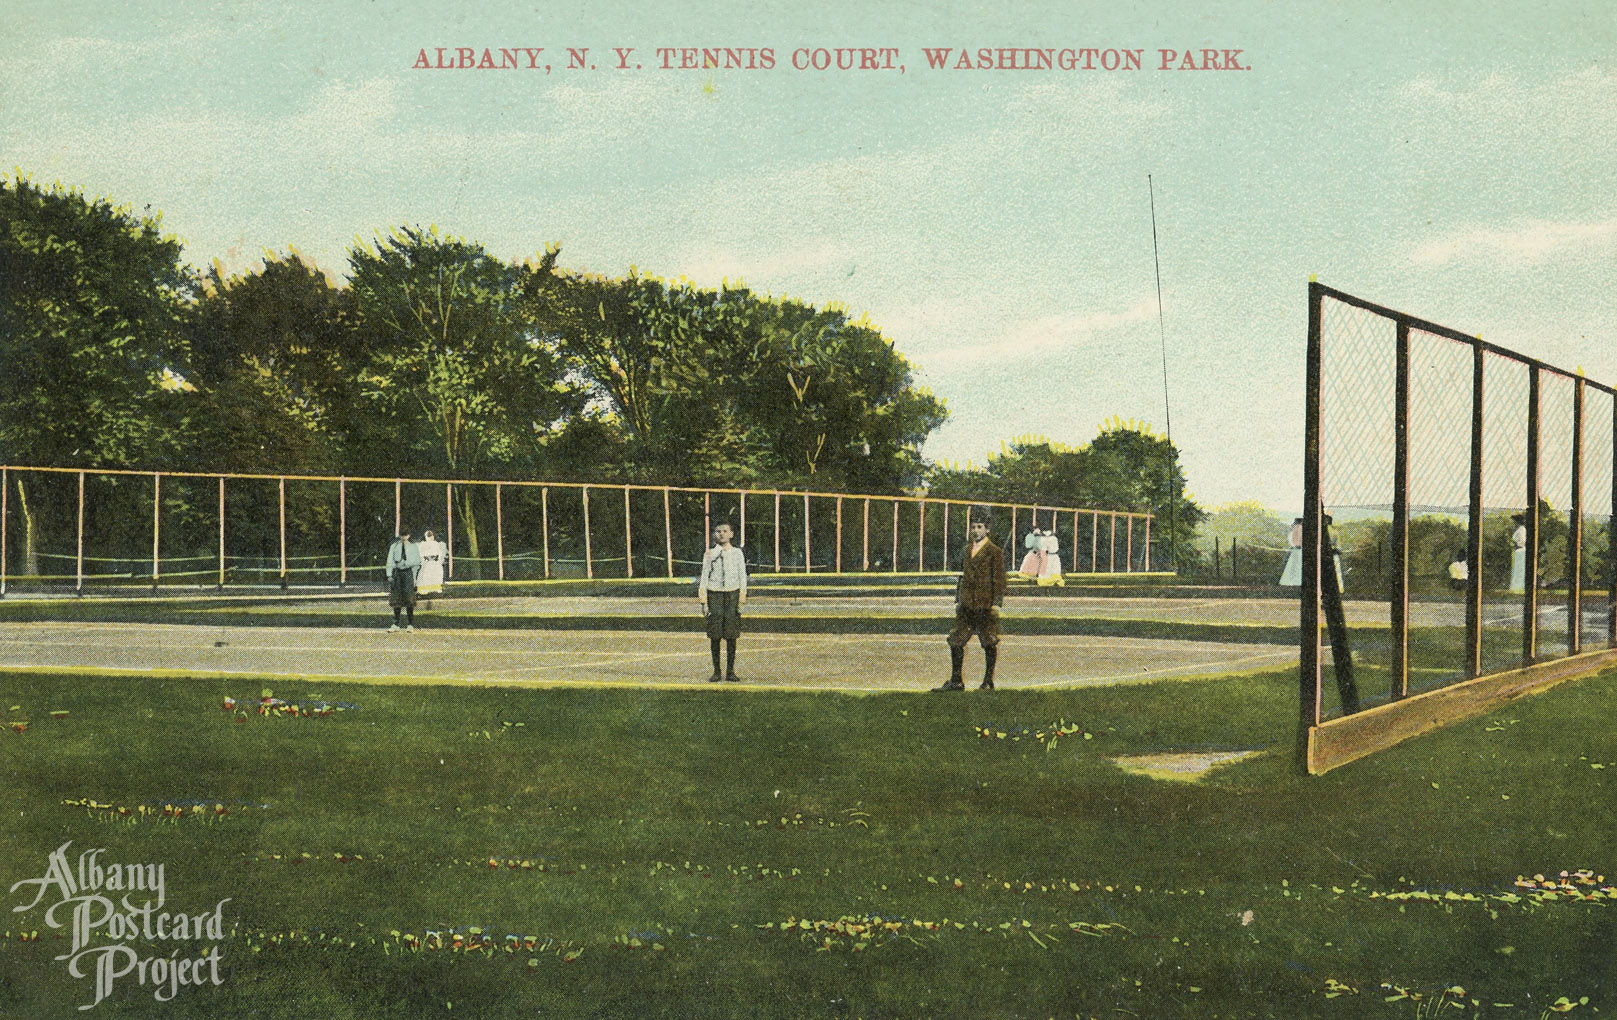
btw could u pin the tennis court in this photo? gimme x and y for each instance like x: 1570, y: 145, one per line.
x: 357, y: 645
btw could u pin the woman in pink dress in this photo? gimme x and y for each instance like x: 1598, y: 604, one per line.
x: 1035, y: 552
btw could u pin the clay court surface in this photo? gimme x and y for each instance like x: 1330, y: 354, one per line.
x: 358, y: 645
x: 455, y: 642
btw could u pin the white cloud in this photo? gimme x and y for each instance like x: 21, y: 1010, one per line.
x: 1041, y: 335
x: 1527, y: 242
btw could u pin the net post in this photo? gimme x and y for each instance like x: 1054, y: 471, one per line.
x: 1473, y: 539
x: 864, y: 564
x: 1128, y: 548
x: 1074, y: 546
x: 221, y: 532
x: 920, y: 545
x: 945, y: 534
x: 398, y: 517
x: 1611, y: 542
x: 281, y: 496
x: 777, y: 532
x: 342, y: 532
x: 544, y: 524
x: 839, y: 534
x: 1574, y: 541
x: 707, y: 518
x: 5, y: 482
x: 1398, y: 607
x: 1111, y: 547
x: 589, y: 563
x: 1530, y: 522
x: 628, y: 536
x: 808, y: 558
x: 449, y: 531
x: 1094, y: 542
x: 668, y: 530
x: 895, y: 537
x: 78, y: 584
x: 743, y: 499
x: 499, y: 530
x: 1011, y: 542
x: 1148, y: 543
x: 157, y: 503
x: 1308, y: 672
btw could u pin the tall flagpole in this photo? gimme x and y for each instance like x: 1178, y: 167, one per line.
x: 1173, y: 496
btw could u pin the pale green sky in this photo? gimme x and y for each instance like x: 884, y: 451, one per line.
x: 1457, y: 161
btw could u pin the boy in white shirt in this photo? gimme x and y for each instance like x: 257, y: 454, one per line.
x: 722, y: 591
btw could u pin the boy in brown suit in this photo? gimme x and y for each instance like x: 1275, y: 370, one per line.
x: 977, y: 603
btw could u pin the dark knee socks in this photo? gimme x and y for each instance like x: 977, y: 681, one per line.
x: 396, y: 617
x: 714, y: 647
x: 729, y: 656
x: 957, y: 658
x: 990, y: 656
x: 409, y: 615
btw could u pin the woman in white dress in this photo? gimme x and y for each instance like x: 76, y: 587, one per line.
x: 1292, y: 575
x: 433, y: 556
x: 1518, y: 555
x: 1050, y: 572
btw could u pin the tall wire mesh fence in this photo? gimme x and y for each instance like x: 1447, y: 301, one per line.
x: 108, y: 529
x: 1461, y: 496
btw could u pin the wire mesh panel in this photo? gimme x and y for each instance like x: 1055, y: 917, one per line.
x: 1596, y: 506
x: 1506, y: 397
x: 368, y: 529
x: 312, y: 542
x: 117, y: 530
x: 1461, y: 498
x: 188, y: 532
x: 1356, y: 486
x: 522, y: 524
x: 1558, y: 395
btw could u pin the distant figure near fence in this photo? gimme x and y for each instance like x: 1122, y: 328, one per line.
x: 1033, y: 543
x: 433, y: 556
x: 1291, y: 576
x: 1518, y: 555
x: 1050, y: 567
x: 403, y: 563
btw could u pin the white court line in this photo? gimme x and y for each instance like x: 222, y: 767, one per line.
x: 618, y: 657
x: 1124, y: 678
x: 176, y: 647
x: 624, y: 659
x: 1077, y: 641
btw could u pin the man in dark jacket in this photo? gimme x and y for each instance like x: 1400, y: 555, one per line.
x: 977, y: 602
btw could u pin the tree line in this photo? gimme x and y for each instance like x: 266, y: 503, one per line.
x: 433, y: 358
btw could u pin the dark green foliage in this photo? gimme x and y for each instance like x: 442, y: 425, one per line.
x: 1125, y: 467
x: 726, y: 387
x: 91, y: 298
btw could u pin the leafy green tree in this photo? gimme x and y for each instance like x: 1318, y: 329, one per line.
x: 724, y: 386
x: 277, y: 356
x: 91, y: 301
x: 848, y: 414
x: 1125, y: 467
x: 463, y: 376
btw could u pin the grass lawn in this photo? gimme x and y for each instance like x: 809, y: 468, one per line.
x: 747, y: 854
